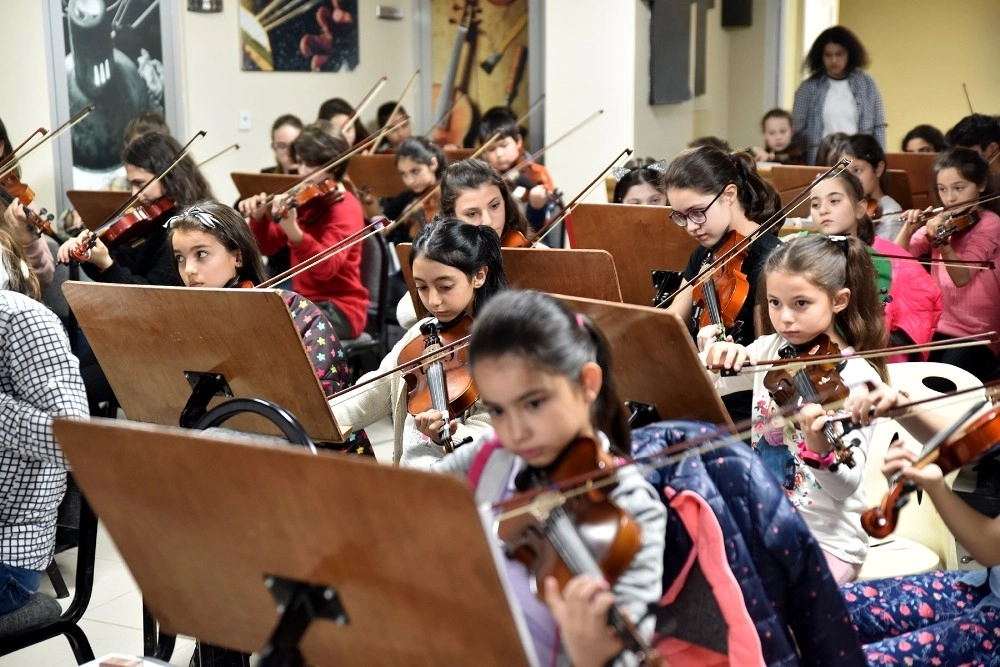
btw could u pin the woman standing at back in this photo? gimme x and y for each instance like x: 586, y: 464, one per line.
x: 837, y: 96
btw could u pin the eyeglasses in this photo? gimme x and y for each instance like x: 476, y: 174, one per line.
x: 697, y: 216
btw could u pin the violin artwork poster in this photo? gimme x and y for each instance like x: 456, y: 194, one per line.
x: 290, y: 36
x: 479, y: 57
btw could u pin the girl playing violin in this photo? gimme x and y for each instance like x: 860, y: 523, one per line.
x: 420, y: 163
x: 149, y: 261
x: 640, y: 183
x: 457, y: 269
x: 868, y: 164
x: 939, y: 618
x: 334, y: 284
x: 973, y: 234
x: 35, y: 248
x: 544, y: 374
x: 473, y: 192
x: 816, y: 286
x: 911, y: 299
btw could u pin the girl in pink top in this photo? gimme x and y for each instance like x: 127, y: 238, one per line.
x: 970, y: 295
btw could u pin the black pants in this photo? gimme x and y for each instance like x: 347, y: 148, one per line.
x: 978, y: 359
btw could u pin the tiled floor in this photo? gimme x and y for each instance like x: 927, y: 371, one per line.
x: 113, y: 621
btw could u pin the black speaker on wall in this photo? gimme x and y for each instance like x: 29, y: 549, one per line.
x: 737, y: 13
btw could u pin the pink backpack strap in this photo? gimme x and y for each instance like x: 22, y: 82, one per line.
x: 479, y: 461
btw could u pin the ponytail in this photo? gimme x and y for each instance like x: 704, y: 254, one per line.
x: 545, y: 333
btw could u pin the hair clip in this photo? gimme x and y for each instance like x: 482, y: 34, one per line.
x: 660, y: 167
x: 205, y: 218
x: 840, y: 241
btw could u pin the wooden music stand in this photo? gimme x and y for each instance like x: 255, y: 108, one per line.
x: 790, y: 180
x: 96, y: 206
x: 655, y: 361
x: 456, y: 154
x: 202, y: 522
x: 250, y: 184
x: 586, y: 273
x: 919, y: 172
x: 155, y: 344
x: 378, y: 172
x: 640, y: 238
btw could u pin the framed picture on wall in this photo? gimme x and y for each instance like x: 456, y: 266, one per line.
x: 297, y: 36
x: 120, y: 57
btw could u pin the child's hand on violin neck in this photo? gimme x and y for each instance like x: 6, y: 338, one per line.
x: 812, y: 418
x: 431, y: 422
x: 900, y: 459
x: 581, y: 612
x: 729, y: 355
x: 708, y: 336
x: 254, y: 207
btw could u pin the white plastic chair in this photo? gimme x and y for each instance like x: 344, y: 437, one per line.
x: 921, y: 541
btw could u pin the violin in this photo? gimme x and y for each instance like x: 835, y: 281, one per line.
x: 722, y: 296
x: 952, y: 224
x: 816, y: 383
x: 950, y: 453
x: 11, y: 188
x: 873, y: 208
x: 514, y: 239
x: 315, y: 191
x: 136, y: 224
x: 565, y: 536
x: 443, y: 383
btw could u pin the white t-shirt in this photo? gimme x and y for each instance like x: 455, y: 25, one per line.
x: 840, y: 111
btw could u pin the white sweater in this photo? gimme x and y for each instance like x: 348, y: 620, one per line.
x: 387, y: 397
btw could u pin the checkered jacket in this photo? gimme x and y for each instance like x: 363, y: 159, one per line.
x: 39, y: 379
x: 807, y: 110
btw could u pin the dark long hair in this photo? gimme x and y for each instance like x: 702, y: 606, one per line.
x: 338, y: 105
x: 832, y: 263
x: 422, y: 151
x: 543, y: 332
x: 708, y: 170
x: 467, y: 248
x: 866, y: 147
x: 972, y: 166
x: 857, y: 56
x: 928, y: 133
x: 471, y: 174
x: 229, y: 228
x: 638, y: 173
x: 154, y: 152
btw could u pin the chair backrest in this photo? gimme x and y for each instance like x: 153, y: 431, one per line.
x: 375, y: 276
x: 924, y: 379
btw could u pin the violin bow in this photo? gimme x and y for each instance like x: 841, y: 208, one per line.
x: 12, y: 156
x: 545, y: 229
x: 333, y: 162
x: 531, y: 158
x: 10, y: 164
x: 985, y: 338
x: 130, y: 202
x: 353, y: 118
x: 384, y: 131
x: 413, y: 364
x: 343, y: 244
x: 708, y: 271
x: 418, y: 203
x: 231, y: 147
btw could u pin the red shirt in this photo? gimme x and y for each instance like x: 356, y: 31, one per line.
x: 336, y: 279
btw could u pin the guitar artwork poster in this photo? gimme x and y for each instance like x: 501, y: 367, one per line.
x: 479, y: 56
x: 297, y: 36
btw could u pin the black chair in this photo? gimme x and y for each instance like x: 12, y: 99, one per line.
x: 67, y: 624
x: 375, y: 276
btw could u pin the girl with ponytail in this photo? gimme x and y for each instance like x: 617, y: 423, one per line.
x: 813, y: 286
x: 544, y: 376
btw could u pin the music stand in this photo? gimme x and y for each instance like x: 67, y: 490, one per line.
x: 586, y: 273
x: 655, y: 361
x: 250, y: 184
x: 171, y: 353
x: 96, y: 206
x: 377, y: 172
x: 919, y: 172
x: 640, y: 238
x: 203, y: 522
